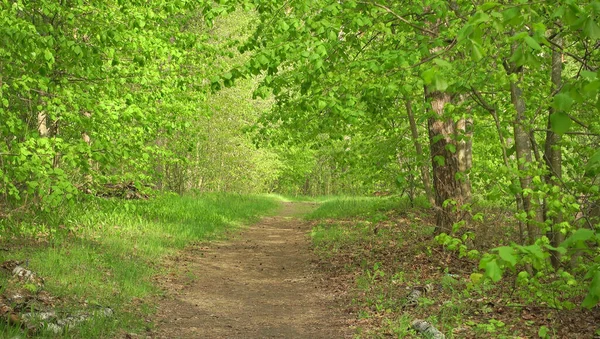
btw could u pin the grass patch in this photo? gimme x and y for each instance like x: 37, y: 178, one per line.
x: 105, y: 252
x: 348, y: 207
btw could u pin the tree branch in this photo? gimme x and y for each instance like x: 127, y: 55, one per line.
x: 389, y: 10
x: 570, y: 133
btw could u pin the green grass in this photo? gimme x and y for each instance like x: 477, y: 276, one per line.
x: 105, y: 252
x: 348, y: 207
x: 302, y: 198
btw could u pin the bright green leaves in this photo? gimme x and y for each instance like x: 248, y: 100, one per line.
x: 48, y: 56
x: 494, y: 266
x: 531, y: 42
x: 491, y: 267
x: 262, y: 59
x: 476, y: 51
x: 507, y: 254
x: 578, y: 238
x: 560, y: 122
x: 592, y: 168
x: 591, y: 29
x: 321, y: 50
x: 512, y: 16
x: 563, y: 102
x: 86, y: 72
x: 593, y: 296
x: 434, y: 77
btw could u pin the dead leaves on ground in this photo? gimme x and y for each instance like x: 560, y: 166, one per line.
x: 402, y: 247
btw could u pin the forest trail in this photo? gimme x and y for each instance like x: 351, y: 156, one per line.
x: 260, y: 284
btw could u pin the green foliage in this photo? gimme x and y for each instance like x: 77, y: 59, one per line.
x: 97, y: 92
x: 311, y: 98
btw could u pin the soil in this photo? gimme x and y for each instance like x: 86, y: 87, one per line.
x: 263, y: 283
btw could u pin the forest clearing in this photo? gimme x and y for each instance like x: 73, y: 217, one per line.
x: 262, y: 168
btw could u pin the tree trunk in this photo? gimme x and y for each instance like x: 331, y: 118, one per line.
x: 504, y: 145
x: 464, y: 152
x: 524, y: 152
x: 419, y: 149
x: 88, y: 140
x: 553, y: 156
x: 445, y: 163
x: 42, y: 125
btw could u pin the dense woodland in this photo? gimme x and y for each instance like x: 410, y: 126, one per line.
x: 481, y: 107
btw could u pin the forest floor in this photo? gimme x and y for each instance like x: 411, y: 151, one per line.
x: 263, y: 283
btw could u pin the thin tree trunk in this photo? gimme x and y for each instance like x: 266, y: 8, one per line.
x: 42, y: 126
x: 553, y: 156
x: 504, y: 145
x: 464, y: 152
x: 419, y: 149
x: 524, y: 152
x: 88, y: 140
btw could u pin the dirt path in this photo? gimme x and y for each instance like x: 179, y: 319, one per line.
x: 259, y: 285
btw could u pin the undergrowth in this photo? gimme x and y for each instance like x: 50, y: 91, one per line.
x: 106, y: 252
x: 381, y: 249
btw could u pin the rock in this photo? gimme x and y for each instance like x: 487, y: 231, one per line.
x: 426, y: 329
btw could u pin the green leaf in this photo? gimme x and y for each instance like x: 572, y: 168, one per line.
x: 493, y: 271
x: 488, y: 5
x: 451, y: 148
x: 48, y: 55
x: 581, y: 235
x: 560, y: 122
x: 321, y: 50
x: 593, y: 166
x: 476, y: 53
x: 591, y: 29
x: 563, y: 102
x: 263, y: 59
x: 400, y: 180
x: 332, y: 35
x: 532, y: 43
x: 441, y: 161
x: 506, y: 253
x: 443, y: 63
x: 428, y: 76
x: 593, y: 296
x: 439, y: 83
x: 518, y: 57
x: 592, y: 88
x: 535, y: 250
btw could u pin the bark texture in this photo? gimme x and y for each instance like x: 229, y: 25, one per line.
x: 446, y: 163
x: 553, y: 155
x: 524, y: 155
